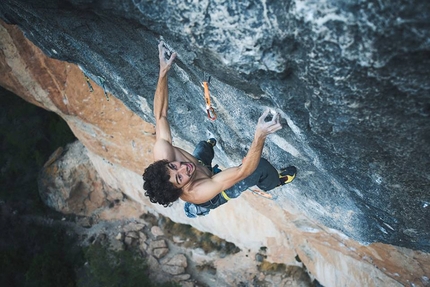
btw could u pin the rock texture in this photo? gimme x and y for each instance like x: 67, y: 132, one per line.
x: 70, y: 184
x: 189, y: 266
x: 350, y: 80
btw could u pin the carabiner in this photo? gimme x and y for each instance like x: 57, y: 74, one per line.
x: 211, y: 113
x: 209, y: 109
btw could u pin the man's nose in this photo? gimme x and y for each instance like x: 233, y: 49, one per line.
x: 183, y: 168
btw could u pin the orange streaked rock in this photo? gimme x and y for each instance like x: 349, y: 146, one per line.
x: 107, y: 128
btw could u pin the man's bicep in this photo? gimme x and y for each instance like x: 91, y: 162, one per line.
x: 162, y: 130
x: 229, y: 177
x: 217, y: 184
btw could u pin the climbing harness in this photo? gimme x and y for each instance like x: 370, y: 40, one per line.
x: 226, y: 197
x: 209, y: 109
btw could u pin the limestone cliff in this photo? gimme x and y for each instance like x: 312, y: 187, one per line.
x: 351, y: 82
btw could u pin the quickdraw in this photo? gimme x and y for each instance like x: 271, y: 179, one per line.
x: 88, y: 83
x: 209, y: 109
x: 102, y: 82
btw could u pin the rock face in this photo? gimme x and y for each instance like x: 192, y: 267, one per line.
x: 351, y: 81
x: 70, y: 184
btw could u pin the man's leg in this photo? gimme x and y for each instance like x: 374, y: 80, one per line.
x: 204, y: 152
x: 266, y: 177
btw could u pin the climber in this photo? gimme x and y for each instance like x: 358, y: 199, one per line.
x: 178, y: 174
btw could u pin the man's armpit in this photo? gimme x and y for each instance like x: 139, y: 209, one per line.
x: 162, y: 129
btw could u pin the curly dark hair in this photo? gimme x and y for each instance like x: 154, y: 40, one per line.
x: 157, y: 185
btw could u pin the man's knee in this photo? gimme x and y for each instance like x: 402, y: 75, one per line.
x: 236, y: 190
x: 233, y: 193
x: 204, y: 151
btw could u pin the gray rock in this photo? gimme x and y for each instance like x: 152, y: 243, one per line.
x: 174, y: 270
x: 156, y: 231
x: 181, y: 277
x: 187, y: 284
x: 119, y: 236
x: 66, y: 184
x: 133, y: 234
x: 128, y: 240
x: 142, y: 237
x: 133, y: 226
x: 177, y: 239
x: 259, y: 257
x: 177, y: 260
x: 160, y: 252
x: 158, y: 244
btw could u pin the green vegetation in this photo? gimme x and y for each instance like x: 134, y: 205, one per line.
x: 272, y: 267
x: 32, y: 254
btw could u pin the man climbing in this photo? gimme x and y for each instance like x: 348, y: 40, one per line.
x: 178, y: 174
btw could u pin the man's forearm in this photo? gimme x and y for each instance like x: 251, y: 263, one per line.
x: 250, y: 162
x: 263, y: 129
x: 161, y: 98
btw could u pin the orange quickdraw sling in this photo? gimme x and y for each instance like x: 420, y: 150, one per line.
x: 209, y: 109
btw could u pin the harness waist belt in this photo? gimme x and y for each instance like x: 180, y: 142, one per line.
x: 225, y: 195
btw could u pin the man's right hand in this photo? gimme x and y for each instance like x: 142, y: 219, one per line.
x: 165, y: 64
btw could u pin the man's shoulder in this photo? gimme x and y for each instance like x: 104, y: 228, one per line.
x: 197, y: 188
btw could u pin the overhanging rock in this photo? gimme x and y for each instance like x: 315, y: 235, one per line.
x: 351, y: 81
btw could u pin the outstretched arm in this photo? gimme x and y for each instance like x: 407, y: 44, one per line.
x: 231, y: 176
x: 163, y: 147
